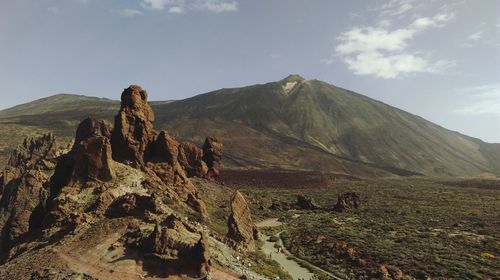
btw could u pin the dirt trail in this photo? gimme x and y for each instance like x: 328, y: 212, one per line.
x: 291, y: 266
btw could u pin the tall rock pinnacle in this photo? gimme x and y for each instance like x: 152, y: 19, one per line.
x: 133, y: 131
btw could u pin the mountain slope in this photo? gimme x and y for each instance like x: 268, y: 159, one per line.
x: 336, y: 121
x: 292, y: 123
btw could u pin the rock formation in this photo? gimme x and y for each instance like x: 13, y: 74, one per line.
x: 212, y: 156
x: 135, y: 142
x: 91, y: 152
x: 306, y: 203
x: 191, y: 159
x: 133, y: 131
x: 241, y: 228
x: 347, y: 201
x: 24, y: 189
x: 175, y: 245
x: 129, y: 177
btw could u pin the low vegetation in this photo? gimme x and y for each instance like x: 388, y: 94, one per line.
x: 422, y: 227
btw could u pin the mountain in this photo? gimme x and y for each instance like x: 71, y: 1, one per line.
x: 291, y: 124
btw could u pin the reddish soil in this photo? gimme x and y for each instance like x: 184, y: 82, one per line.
x: 280, y: 178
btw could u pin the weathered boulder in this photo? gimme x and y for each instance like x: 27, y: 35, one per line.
x: 133, y: 132
x: 241, y: 228
x: 306, y: 203
x: 348, y: 201
x: 212, y: 156
x: 191, y: 159
x: 174, y: 246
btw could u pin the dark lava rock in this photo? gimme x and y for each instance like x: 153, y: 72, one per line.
x: 348, y: 201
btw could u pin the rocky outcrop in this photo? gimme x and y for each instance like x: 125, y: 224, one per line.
x: 306, y: 203
x: 347, y: 202
x: 128, y: 175
x: 191, y: 159
x: 176, y: 246
x: 34, y: 153
x: 241, y: 228
x: 91, y: 153
x: 212, y: 156
x: 165, y: 149
x: 133, y: 132
x: 200, y: 256
x: 135, y: 142
x: 24, y: 189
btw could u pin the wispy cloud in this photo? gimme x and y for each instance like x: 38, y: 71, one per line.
x: 397, y: 7
x: 182, y: 6
x: 476, y: 36
x: 483, y: 100
x: 383, y: 53
x: 129, y: 12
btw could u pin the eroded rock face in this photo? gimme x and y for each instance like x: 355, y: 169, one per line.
x: 25, y: 189
x: 133, y: 131
x: 200, y: 256
x: 212, y: 156
x: 306, y: 203
x: 241, y: 227
x: 90, y: 157
x: 348, y: 201
x: 165, y: 149
x: 191, y: 159
x: 174, y: 246
x: 34, y: 152
x: 89, y: 128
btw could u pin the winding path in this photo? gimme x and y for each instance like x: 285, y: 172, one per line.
x: 291, y: 266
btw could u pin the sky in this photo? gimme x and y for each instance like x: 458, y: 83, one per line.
x: 436, y: 59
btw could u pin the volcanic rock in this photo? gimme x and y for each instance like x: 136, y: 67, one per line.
x: 133, y: 132
x: 89, y: 128
x: 191, y: 159
x: 25, y: 189
x: 165, y: 149
x: 306, y: 203
x: 34, y: 153
x: 280, y: 206
x: 212, y: 156
x: 200, y: 256
x: 90, y: 157
x: 175, y: 246
x: 348, y: 201
x: 242, y: 229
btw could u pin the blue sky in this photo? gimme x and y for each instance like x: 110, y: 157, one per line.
x: 436, y: 59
